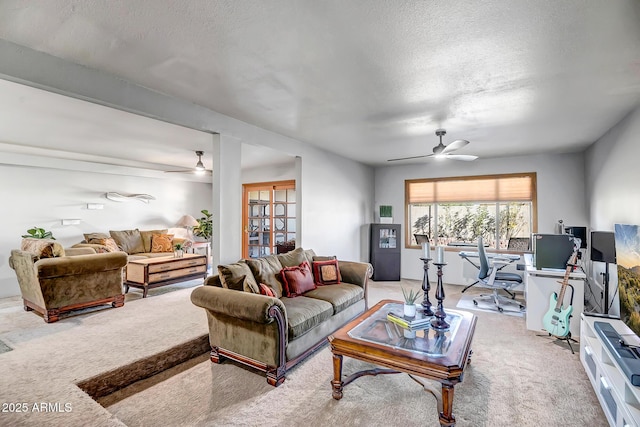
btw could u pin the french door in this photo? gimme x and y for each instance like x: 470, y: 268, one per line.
x: 269, y: 217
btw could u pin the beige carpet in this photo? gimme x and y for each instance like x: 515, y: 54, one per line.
x: 515, y: 378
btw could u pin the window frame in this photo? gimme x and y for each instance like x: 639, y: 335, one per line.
x: 408, y: 235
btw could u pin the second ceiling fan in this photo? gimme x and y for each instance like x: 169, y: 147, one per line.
x: 199, y: 169
x: 442, y: 151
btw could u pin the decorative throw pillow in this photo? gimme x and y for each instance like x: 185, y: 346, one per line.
x: 326, y: 272
x: 88, y: 237
x: 108, y: 243
x: 293, y: 258
x: 236, y: 275
x: 146, y: 236
x: 42, y: 248
x: 128, y: 241
x: 265, y: 290
x: 162, y: 243
x: 297, y: 280
x: 267, y: 270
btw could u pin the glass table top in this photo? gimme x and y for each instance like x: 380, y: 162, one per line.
x: 428, y: 341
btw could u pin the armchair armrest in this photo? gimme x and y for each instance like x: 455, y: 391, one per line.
x: 354, y: 272
x: 241, y: 305
x: 81, y: 264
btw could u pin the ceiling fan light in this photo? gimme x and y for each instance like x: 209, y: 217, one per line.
x: 199, y: 166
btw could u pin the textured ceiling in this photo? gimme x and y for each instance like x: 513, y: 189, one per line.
x: 368, y: 79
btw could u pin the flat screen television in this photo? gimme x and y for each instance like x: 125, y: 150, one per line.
x: 627, y: 240
x: 552, y: 250
x: 580, y: 233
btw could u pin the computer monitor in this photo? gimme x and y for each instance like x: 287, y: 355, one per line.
x: 603, y: 246
x: 580, y: 233
x: 552, y: 250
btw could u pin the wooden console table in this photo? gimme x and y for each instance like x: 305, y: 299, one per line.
x: 150, y: 273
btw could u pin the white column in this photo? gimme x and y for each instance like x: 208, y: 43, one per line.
x: 227, y: 200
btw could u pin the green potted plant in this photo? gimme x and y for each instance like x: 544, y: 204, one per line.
x: 38, y: 233
x: 386, y: 215
x: 410, y: 298
x: 204, y: 229
x: 178, y: 250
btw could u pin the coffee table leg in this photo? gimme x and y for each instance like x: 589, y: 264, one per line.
x: 126, y: 288
x: 144, y: 292
x: 337, y: 377
x: 446, y: 416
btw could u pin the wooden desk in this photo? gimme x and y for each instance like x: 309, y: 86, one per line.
x: 541, y: 284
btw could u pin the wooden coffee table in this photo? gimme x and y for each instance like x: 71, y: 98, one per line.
x: 153, y: 272
x: 436, y: 355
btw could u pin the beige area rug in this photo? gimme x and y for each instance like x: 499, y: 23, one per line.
x: 515, y: 379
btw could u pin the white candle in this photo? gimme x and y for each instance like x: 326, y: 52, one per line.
x: 440, y: 255
x: 426, y: 250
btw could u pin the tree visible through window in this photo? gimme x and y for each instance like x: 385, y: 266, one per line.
x: 459, y: 210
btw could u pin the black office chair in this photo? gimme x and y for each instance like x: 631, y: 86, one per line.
x: 496, y: 280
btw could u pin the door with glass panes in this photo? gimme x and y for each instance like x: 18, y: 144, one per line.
x: 269, y: 218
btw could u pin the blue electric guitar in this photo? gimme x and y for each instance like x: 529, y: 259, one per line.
x: 556, y: 319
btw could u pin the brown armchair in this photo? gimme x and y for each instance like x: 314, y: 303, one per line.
x: 51, y: 286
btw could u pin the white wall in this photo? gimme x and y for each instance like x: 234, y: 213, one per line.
x: 35, y: 196
x: 560, y: 190
x: 612, y: 184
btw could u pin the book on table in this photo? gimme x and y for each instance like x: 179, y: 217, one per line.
x: 420, y: 321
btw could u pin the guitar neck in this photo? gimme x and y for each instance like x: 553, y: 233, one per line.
x: 565, y: 280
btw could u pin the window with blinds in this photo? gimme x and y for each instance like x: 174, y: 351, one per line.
x: 461, y: 209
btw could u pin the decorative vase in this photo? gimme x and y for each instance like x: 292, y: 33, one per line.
x: 410, y: 310
x: 408, y: 333
x: 178, y: 253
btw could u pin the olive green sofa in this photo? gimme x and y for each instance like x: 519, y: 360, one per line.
x: 56, y: 281
x: 274, y: 333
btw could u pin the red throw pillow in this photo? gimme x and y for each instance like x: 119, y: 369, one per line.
x: 326, y: 272
x: 297, y: 280
x: 265, y: 290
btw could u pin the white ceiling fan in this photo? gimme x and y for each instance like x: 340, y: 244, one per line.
x: 442, y: 151
x: 199, y: 169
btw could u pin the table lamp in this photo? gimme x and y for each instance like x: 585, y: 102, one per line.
x: 188, y: 222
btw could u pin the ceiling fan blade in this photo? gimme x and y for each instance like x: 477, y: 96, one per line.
x: 463, y: 157
x: 408, y: 158
x: 458, y: 143
x: 193, y: 171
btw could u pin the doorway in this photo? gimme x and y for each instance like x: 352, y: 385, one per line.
x: 269, y: 218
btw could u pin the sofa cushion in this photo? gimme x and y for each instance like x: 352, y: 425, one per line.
x: 107, y: 242
x: 326, y: 272
x: 129, y: 241
x: 309, y: 254
x: 42, y: 248
x: 147, y: 235
x: 293, y: 258
x: 340, y: 296
x: 90, y: 236
x: 162, y: 243
x: 297, y: 280
x: 305, y: 313
x: 233, y: 276
x: 267, y: 270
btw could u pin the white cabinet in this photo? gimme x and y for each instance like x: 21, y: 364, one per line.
x: 620, y: 399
